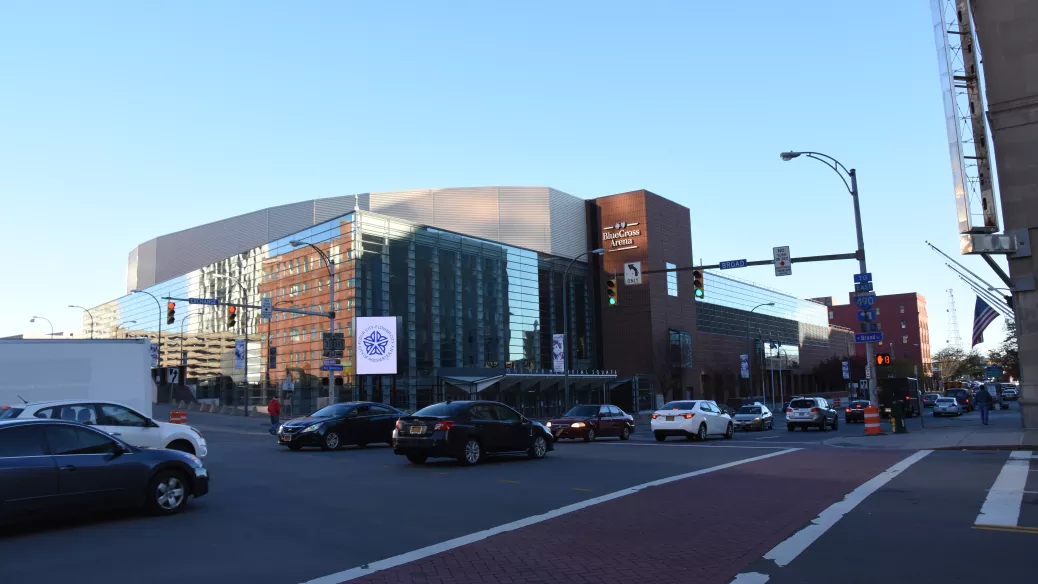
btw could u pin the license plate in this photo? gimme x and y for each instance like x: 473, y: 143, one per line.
x: 670, y: 418
x: 286, y: 438
x: 417, y: 429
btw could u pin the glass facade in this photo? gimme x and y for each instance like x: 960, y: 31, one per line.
x: 785, y: 327
x: 461, y: 303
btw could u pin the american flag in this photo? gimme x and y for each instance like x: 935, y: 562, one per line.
x: 983, y: 315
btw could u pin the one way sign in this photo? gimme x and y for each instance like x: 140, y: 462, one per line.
x: 632, y: 273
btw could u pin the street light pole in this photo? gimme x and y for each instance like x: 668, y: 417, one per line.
x: 88, y: 314
x: 183, y: 353
x: 870, y: 349
x: 159, y: 343
x: 245, y: 324
x: 122, y: 324
x: 748, y: 316
x: 331, y: 307
x: 565, y: 324
x: 33, y: 319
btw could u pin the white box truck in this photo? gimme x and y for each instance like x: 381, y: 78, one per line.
x: 117, y: 370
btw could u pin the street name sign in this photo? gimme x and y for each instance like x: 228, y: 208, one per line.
x: 783, y: 267
x: 865, y: 300
x: 733, y: 264
x: 632, y: 273
x: 266, y: 308
x: 868, y: 337
x: 205, y: 301
x: 331, y: 367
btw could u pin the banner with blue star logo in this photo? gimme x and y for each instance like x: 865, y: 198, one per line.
x: 376, y: 345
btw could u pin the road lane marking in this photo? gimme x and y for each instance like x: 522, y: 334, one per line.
x: 1002, y: 505
x: 751, y: 578
x: 766, y: 438
x: 704, y: 446
x: 1008, y: 529
x: 788, y: 550
x: 508, y: 481
x: 385, y: 564
x: 581, y: 490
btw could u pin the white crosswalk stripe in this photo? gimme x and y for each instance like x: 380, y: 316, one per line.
x: 1002, y: 505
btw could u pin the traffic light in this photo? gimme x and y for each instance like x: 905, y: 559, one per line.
x: 171, y: 312
x: 882, y: 358
x: 232, y: 316
x: 611, y: 290
x: 697, y: 283
x: 272, y: 357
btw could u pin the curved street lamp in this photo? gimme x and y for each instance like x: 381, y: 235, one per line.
x: 565, y: 322
x: 123, y: 324
x: 33, y: 319
x: 852, y: 187
x: 158, y: 343
x: 749, y: 315
x: 330, y: 263
x: 88, y: 314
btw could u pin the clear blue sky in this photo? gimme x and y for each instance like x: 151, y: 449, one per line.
x: 120, y: 121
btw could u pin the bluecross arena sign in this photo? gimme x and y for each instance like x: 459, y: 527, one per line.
x: 376, y: 345
x: 620, y: 235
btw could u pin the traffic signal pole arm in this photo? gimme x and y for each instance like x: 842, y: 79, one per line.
x: 257, y: 307
x: 804, y: 259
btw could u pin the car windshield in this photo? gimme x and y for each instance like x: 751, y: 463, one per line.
x: 932, y: 395
x: 679, y: 405
x: 332, y: 411
x: 859, y: 404
x: 439, y: 410
x: 749, y: 410
x: 583, y: 412
x: 9, y: 412
x: 802, y: 403
x: 946, y: 400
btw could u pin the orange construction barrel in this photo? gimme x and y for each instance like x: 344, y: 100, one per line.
x: 178, y: 417
x: 872, y: 427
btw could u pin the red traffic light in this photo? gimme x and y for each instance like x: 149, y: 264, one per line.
x: 232, y: 309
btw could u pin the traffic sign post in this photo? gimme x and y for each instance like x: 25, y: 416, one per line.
x: 860, y: 278
x: 781, y: 257
x: 868, y: 338
x: 866, y: 300
x: 863, y: 287
x: 205, y: 301
x: 332, y: 367
x: 733, y: 264
x: 266, y: 308
x: 866, y: 315
x: 632, y: 273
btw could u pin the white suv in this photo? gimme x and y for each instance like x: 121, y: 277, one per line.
x: 118, y: 420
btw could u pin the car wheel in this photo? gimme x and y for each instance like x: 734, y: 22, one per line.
x: 539, y: 448
x: 182, y: 446
x: 659, y: 437
x: 790, y: 427
x: 167, y: 493
x: 702, y: 433
x: 589, y: 436
x: 821, y: 426
x: 417, y: 458
x: 625, y: 433
x: 294, y: 446
x: 331, y: 441
x: 836, y: 423
x: 472, y: 453
x: 730, y: 432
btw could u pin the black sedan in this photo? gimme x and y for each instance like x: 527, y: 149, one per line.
x: 335, y: 426
x: 855, y: 411
x: 469, y: 431
x: 53, y: 465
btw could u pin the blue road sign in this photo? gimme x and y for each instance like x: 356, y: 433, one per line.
x: 331, y: 367
x: 868, y: 337
x: 206, y: 301
x: 863, y: 287
x: 866, y: 277
x: 870, y: 327
x: 866, y: 315
x: 733, y: 264
x: 865, y: 300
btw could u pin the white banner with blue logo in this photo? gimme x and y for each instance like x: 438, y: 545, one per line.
x: 376, y: 345
x: 558, y: 353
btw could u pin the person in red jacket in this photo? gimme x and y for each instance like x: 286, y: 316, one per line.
x: 274, y: 409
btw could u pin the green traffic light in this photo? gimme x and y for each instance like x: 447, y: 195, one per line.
x: 612, y: 301
x: 699, y: 293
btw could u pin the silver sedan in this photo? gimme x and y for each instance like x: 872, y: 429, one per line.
x: 946, y: 406
x: 755, y: 417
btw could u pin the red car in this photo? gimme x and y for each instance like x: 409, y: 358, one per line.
x: 592, y: 421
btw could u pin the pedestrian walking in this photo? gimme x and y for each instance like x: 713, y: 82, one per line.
x: 274, y: 409
x: 983, y: 404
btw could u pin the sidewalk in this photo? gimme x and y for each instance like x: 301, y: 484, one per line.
x: 964, y: 433
x: 255, y: 424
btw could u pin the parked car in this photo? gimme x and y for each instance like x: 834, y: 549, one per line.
x: 56, y: 465
x: 811, y: 412
x: 855, y: 411
x: 755, y: 417
x: 963, y: 397
x: 929, y: 399
x: 338, y: 425
x: 695, y: 420
x: 1010, y: 392
x: 117, y: 420
x: 469, y: 431
x: 592, y: 421
x: 946, y: 406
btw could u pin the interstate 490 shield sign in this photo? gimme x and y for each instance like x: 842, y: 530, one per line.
x: 376, y: 345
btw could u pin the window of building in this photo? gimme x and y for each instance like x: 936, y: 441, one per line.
x: 904, y: 324
x: 831, y: 315
x: 902, y: 308
x: 293, y: 290
x: 295, y: 335
x: 877, y: 310
x: 672, y: 280
x: 904, y: 339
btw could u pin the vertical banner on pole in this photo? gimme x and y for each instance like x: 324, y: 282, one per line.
x: 239, y: 353
x: 846, y: 369
x: 744, y: 366
x: 558, y: 353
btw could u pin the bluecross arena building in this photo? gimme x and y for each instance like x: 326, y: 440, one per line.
x: 479, y: 281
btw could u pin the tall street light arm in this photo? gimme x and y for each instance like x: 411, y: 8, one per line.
x: 565, y: 321
x: 88, y: 314
x: 826, y: 160
x: 33, y: 319
x: 330, y: 263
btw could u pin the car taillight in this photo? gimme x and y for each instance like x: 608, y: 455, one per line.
x: 848, y: 410
x: 399, y: 425
x: 654, y: 416
x: 789, y: 410
x: 689, y: 416
x: 815, y: 410
x: 443, y: 425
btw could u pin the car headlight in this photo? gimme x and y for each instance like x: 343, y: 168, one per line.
x: 548, y: 425
x: 281, y: 428
x: 312, y: 427
x: 577, y: 425
x: 756, y: 419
